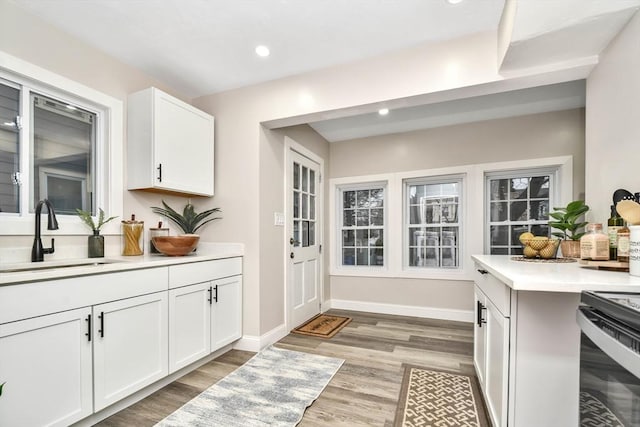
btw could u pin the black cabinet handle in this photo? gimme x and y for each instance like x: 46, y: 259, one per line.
x: 159, y: 172
x: 479, y: 319
x: 88, y: 334
x: 210, y: 299
x: 101, y: 330
x: 216, y: 296
x: 481, y: 271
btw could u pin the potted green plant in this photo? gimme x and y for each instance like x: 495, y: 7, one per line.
x: 96, y: 241
x: 189, y: 221
x: 569, y: 220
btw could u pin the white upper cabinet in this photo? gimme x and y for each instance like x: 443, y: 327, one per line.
x: 169, y: 145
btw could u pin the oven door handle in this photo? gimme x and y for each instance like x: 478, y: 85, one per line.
x: 623, y: 355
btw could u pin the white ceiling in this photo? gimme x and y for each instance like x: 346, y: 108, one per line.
x: 200, y: 47
x: 540, y: 99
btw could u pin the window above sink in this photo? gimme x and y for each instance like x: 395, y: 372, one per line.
x: 58, y: 140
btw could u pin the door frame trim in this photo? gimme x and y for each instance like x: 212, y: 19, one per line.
x: 289, y: 146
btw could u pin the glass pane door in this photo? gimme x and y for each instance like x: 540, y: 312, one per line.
x: 304, y: 206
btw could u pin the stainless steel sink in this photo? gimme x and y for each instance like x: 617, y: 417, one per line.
x: 50, y: 265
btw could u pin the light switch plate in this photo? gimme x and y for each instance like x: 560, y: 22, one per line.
x: 278, y: 219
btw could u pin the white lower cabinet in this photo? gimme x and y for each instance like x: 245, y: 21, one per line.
x: 226, y: 320
x: 491, y: 355
x: 497, y: 368
x: 45, y: 363
x: 71, y: 347
x: 130, y: 348
x: 203, y: 318
x: 189, y: 324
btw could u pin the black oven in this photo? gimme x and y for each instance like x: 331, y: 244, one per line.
x: 609, y: 359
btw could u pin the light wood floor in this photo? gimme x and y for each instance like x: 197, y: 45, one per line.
x: 364, y: 391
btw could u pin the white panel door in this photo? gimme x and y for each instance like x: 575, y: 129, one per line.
x: 45, y: 363
x: 304, y: 212
x: 130, y: 346
x: 226, y: 315
x: 189, y: 324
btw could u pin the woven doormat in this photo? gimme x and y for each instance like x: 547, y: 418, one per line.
x: 430, y: 397
x: 323, y: 325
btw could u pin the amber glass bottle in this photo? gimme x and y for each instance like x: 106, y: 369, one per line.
x: 623, y: 244
x: 614, y: 223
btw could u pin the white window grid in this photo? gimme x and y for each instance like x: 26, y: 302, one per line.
x: 432, y: 222
x: 517, y: 209
x: 362, y: 226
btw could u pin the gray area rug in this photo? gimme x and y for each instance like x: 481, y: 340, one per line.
x: 272, y: 389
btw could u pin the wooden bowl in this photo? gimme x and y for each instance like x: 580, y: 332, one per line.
x: 176, y: 245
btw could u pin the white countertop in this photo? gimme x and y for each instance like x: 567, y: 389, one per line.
x: 555, y: 277
x: 58, y: 269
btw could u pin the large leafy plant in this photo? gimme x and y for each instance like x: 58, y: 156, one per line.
x: 568, y: 220
x: 189, y: 221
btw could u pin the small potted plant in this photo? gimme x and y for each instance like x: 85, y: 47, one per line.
x: 96, y: 241
x: 189, y: 222
x: 569, y: 221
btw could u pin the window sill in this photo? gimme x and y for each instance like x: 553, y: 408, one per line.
x: 431, y: 274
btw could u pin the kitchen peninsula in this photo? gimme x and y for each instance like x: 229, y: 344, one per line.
x: 526, y: 339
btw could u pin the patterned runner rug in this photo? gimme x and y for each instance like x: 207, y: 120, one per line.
x: 438, y: 398
x: 272, y: 389
x: 323, y: 325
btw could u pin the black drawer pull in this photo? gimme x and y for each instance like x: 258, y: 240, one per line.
x: 215, y: 298
x: 101, y: 330
x: 481, y: 271
x: 479, y: 319
x: 88, y: 334
x: 210, y: 299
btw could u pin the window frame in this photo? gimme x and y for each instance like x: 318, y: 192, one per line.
x: 109, y: 144
x: 339, y: 200
x: 551, y: 171
x: 472, y: 215
x: 406, y: 224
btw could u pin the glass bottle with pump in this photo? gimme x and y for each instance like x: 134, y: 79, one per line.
x: 614, y: 223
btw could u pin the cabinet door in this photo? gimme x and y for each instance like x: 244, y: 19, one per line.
x: 480, y: 335
x: 226, y: 319
x: 183, y: 138
x: 497, y: 367
x: 130, y: 346
x: 189, y: 324
x: 46, y: 364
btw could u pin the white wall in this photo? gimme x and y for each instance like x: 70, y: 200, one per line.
x: 613, y: 122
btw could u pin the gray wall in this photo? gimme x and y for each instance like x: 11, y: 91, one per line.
x: 534, y: 136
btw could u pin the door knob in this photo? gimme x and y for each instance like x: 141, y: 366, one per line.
x: 292, y: 256
x: 292, y: 241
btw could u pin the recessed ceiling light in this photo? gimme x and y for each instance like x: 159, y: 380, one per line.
x: 262, y: 51
x: 383, y: 111
x: 71, y: 107
x: 454, y: 1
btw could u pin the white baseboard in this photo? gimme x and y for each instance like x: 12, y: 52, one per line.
x: 401, y: 310
x: 257, y: 343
